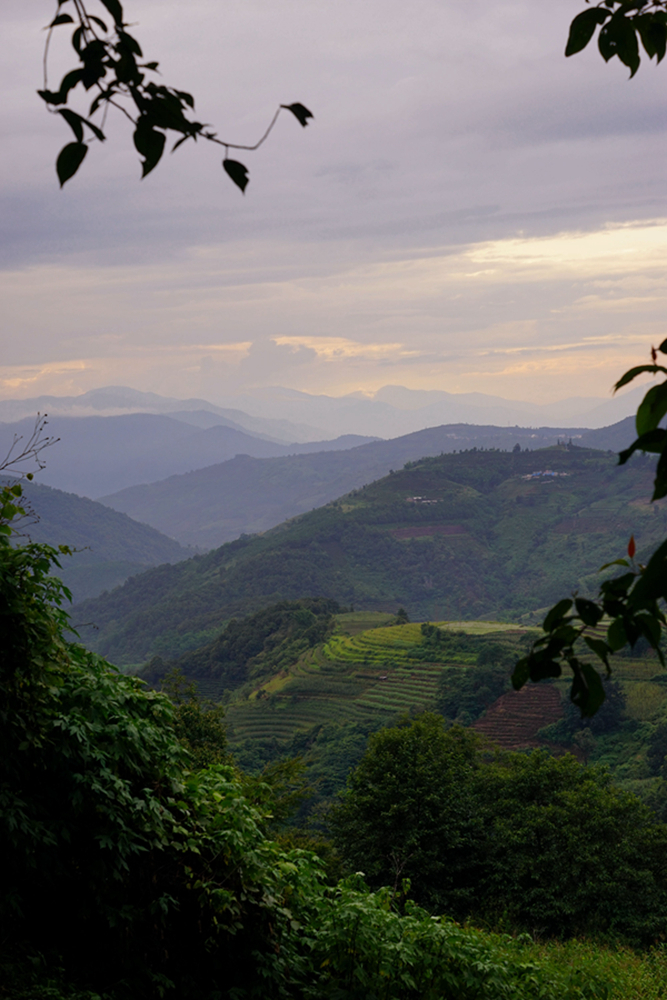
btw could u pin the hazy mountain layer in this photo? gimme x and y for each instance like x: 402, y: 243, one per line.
x: 247, y: 495
x: 471, y: 535
x: 111, y: 546
x: 115, y: 400
x: 100, y: 455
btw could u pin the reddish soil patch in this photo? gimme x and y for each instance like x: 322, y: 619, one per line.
x: 429, y: 529
x: 582, y: 526
x: 514, y: 720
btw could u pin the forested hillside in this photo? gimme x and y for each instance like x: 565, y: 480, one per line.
x: 110, y: 546
x: 470, y: 535
x: 245, y: 495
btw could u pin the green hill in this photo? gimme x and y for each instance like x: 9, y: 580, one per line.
x: 110, y: 546
x: 246, y: 495
x: 460, y: 536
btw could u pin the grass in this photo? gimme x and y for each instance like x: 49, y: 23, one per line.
x: 629, y: 975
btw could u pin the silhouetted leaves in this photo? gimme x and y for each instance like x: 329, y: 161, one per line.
x: 150, y: 144
x: 237, y: 172
x: 70, y: 159
x: 583, y: 28
x: 301, y: 113
x: 109, y: 63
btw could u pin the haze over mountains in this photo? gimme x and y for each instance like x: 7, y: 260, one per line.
x: 102, y: 454
x: 287, y: 415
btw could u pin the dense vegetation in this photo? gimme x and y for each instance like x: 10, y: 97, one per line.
x: 495, y: 544
x: 263, y: 643
x: 545, y: 844
x: 129, y: 872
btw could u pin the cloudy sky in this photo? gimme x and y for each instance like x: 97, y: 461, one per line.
x: 469, y: 211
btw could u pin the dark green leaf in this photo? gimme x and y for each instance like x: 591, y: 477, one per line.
x: 650, y: 627
x: 652, y: 409
x: 653, y: 33
x: 69, y: 160
x: 652, y: 584
x: 150, y: 143
x: 588, y: 611
x: 638, y: 370
x: 556, y: 614
x: 663, y: 347
x: 237, y: 172
x: 544, y: 667
x: 115, y: 9
x: 301, y: 113
x: 98, y: 22
x: 61, y: 19
x: 653, y: 441
x: 660, y: 481
x: 520, y: 674
x: 587, y: 689
x: 563, y: 636
x: 582, y: 29
x: 128, y: 42
x: 187, y: 98
x: 76, y: 39
x: 614, y: 562
x: 616, y: 635
x: 618, y: 38
x: 600, y: 648
x: 74, y: 121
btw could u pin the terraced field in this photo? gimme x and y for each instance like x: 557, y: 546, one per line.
x: 368, y: 669
x: 371, y: 670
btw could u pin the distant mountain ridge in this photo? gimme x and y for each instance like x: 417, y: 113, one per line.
x: 289, y: 415
x: 100, y: 455
x: 110, y: 546
x: 246, y: 495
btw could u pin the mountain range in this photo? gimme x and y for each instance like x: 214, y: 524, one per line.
x: 289, y: 415
x: 457, y: 536
x: 246, y: 495
x: 97, y: 455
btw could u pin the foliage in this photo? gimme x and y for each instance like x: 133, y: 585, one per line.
x: 109, y: 65
x: 408, y: 812
x: 199, y: 726
x: 465, y: 695
x: 259, y: 644
x: 127, y: 874
x: 630, y: 606
x: 537, y: 843
x: 623, y: 24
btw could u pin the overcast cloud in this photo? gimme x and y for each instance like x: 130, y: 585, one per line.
x: 468, y: 211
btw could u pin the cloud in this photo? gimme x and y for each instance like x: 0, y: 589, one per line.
x: 468, y: 208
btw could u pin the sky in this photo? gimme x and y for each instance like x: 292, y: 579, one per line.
x: 469, y: 211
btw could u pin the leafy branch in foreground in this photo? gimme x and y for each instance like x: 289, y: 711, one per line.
x: 111, y: 66
x: 623, y: 25
x: 629, y: 606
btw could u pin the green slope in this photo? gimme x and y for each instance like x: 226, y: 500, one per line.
x: 491, y: 543
x: 110, y: 546
x: 246, y: 495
